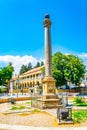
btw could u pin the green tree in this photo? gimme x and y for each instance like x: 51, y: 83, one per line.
x: 6, y: 74
x: 10, y: 70
x: 37, y: 65
x: 43, y: 70
x: 67, y: 68
x: 42, y: 63
x: 29, y: 66
x: 23, y: 69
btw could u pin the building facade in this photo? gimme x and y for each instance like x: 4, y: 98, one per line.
x: 27, y: 80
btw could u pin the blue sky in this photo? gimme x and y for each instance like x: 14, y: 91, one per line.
x: 22, y: 31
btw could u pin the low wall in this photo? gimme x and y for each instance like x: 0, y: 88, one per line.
x: 83, y: 90
x: 4, y: 100
x: 22, y: 98
x: 65, y: 90
x: 19, y: 91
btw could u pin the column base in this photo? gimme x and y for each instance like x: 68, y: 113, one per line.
x: 49, y: 101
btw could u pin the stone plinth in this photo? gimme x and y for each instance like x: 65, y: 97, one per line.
x: 48, y: 85
x: 49, y: 99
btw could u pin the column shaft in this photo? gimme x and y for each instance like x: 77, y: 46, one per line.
x: 48, y: 51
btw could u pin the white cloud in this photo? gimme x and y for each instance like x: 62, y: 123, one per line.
x: 83, y: 55
x: 17, y: 61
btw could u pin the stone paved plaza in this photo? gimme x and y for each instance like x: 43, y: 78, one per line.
x: 33, y: 121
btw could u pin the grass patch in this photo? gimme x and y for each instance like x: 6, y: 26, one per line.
x: 81, y: 104
x: 28, y: 103
x: 17, y: 107
x: 24, y: 114
x: 79, y: 116
x: 36, y: 111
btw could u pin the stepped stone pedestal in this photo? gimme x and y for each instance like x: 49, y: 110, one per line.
x: 49, y: 99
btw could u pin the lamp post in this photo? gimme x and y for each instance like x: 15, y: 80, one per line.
x: 17, y: 84
x: 11, y: 88
x: 22, y: 88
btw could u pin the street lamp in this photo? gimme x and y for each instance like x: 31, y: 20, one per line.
x: 17, y: 84
x: 22, y: 88
x: 11, y: 88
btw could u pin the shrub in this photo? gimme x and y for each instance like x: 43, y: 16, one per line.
x: 78, y: 100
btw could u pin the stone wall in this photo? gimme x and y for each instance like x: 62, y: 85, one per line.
x: 83, y: 90
x: 16, y: 99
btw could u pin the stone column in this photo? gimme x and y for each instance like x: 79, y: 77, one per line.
x: 48, y: 99
x: 47, y: 40
x: 48, y: 81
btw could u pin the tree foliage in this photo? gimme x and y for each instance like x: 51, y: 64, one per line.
x: 25, y: 68
x: 67, y: 68
x: 42, y: 63
x: 39, y: 64
x: 29, y: 66
x: 6, y: 74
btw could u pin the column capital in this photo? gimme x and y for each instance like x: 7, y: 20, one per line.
x: 47, y: 21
